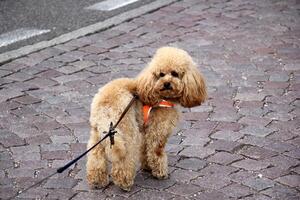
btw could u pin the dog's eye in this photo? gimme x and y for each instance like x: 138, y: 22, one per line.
x: 175, y: 74
x: 161, y: 74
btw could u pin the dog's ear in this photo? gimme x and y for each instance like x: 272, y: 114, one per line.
x: 194, y: 91
x: 145, y: 87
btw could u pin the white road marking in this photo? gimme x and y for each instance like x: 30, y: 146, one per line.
x: 109, y: 5
x: 19, y: 35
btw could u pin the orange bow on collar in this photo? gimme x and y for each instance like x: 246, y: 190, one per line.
x: 147, y: 109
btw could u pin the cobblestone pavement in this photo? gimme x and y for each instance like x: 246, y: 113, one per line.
x: 243, y: 143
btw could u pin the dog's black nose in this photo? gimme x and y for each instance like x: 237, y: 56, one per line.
x: 167, y: 85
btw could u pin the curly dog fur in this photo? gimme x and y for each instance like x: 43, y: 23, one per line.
x: 171, y: 75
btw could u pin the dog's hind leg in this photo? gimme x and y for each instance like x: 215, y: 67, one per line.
x: 123, y: 164
x: 96, y: 166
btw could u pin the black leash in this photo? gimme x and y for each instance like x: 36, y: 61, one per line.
x: 111, y: 133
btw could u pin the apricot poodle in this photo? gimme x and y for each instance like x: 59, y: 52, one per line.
x: 170, y: 79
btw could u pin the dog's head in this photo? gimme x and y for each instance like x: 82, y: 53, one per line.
x: 171, y: 75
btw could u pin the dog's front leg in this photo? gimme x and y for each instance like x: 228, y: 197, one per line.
x: 157, y: 158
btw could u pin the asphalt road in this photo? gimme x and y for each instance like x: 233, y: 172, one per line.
x: 55, y: 16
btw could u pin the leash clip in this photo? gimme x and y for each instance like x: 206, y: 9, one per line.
x: 111, y: 134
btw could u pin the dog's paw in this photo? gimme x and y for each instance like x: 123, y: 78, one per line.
x: 123, y: 178
x: 160, y: 174
x: 97, y: 180
x: 126, y: 188
x: 95, y: 186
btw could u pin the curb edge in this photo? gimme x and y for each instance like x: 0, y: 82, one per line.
x: 93, y: 28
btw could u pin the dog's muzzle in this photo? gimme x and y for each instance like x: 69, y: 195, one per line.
x: 167, y: 86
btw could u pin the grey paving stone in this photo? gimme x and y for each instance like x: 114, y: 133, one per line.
x: 224, y: 158
x: 184, y: 176
x: 182, y: 189
x: 237, y: 191
x: 257, y: 153
x: 197, y: 151
x: 255, y: 96
x: 65, y: 183
x: 258, y: 183
x: 152, y: 195
x: 191, y: 164
x: 225, y: 116
x: 4, y: 73
x: 257, y: 131
x: 227, y: 135
x: 210, y: 195
x: 19, y: 76
x: 249, y: 164
x: 217, y: 170
x: 6, y: 94
x: 152, y: 183
x: 281, y: 192
x: 27, y: 100
x: 289, y: 180
x: 212, y: 182
x: 257, y: 197
x: 279, y: 77
x: 223, y: 145
x: 273, y: 172
x: 194, y: 140
x: 9, y: 139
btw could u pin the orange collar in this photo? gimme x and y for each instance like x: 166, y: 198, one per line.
x: 147, y: 109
